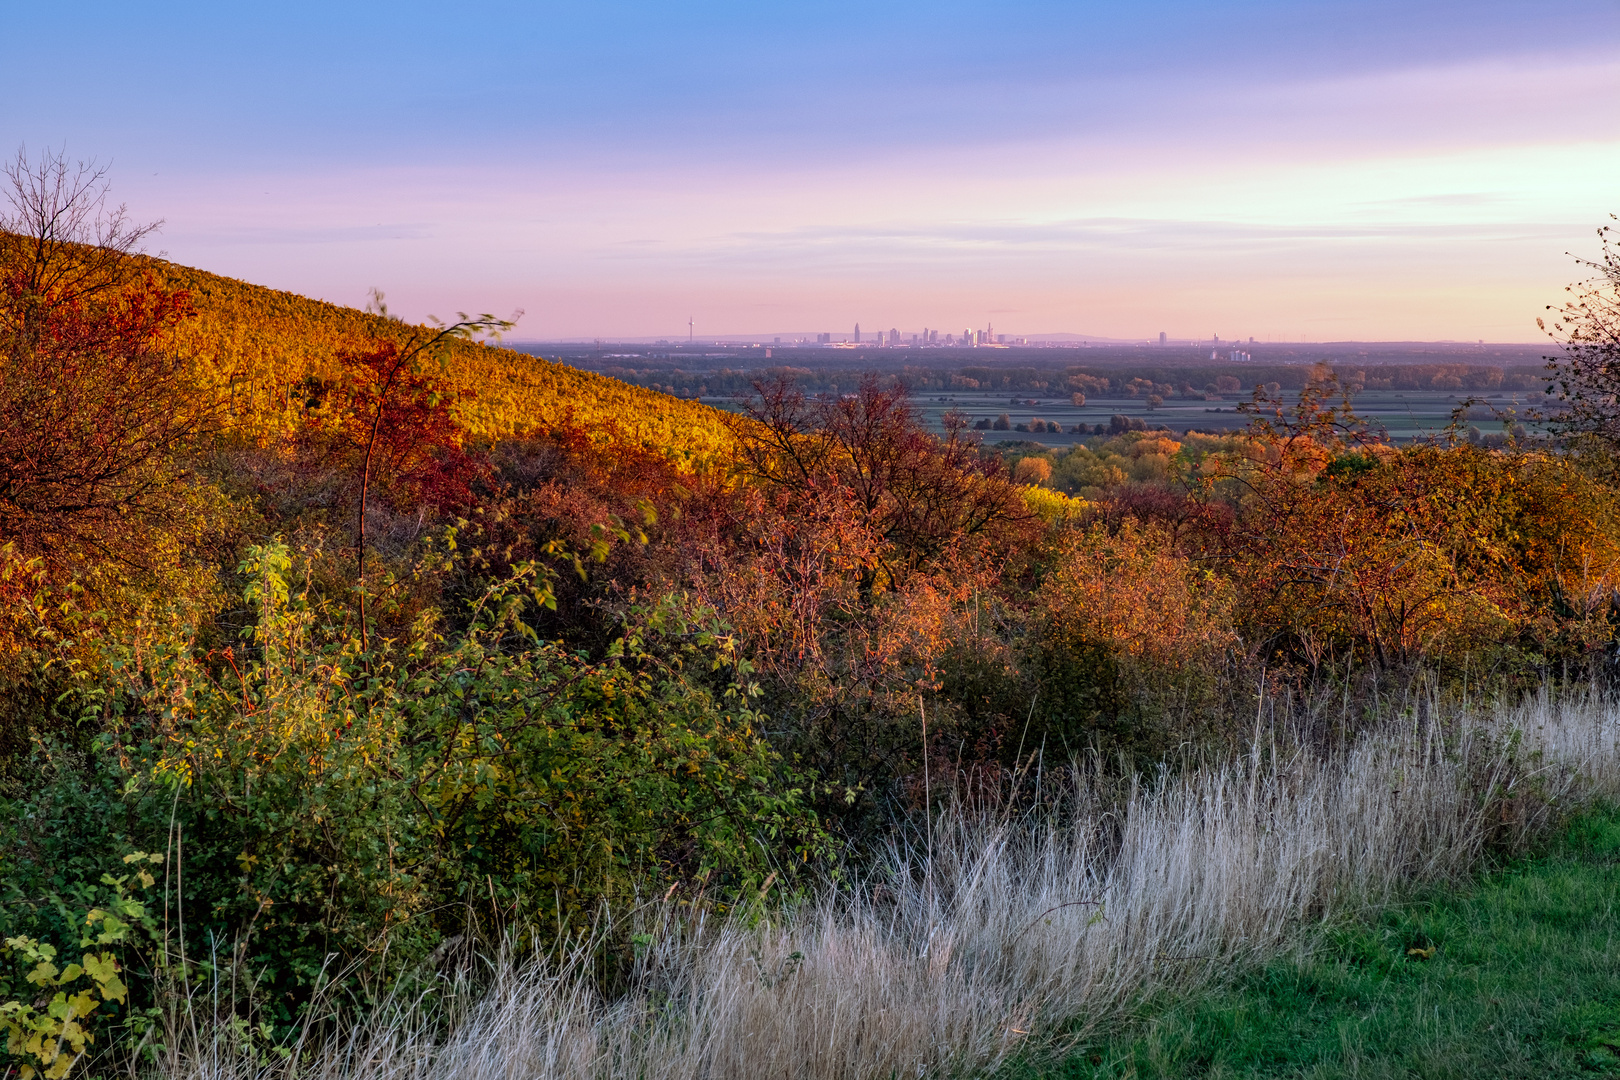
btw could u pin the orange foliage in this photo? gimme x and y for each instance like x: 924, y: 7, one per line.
x: 1343, y: 546
x: 918, y: 495
x: 1126, y: 588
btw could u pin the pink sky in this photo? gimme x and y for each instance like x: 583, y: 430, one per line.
x: 1378, y: 192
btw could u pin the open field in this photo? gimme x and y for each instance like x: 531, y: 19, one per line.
x: 1404, y: 414
x: 1032, y: 382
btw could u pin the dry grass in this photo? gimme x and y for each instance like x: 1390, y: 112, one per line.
x: 1010, y: 936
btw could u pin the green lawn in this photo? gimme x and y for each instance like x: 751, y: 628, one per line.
x: 1523, y: 981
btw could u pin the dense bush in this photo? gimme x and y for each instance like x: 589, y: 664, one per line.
x: 1130, y: 643
x: 335, y: 812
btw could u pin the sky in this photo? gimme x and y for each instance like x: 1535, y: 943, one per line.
x: 1304, y: 171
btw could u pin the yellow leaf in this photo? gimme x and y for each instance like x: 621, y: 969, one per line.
x: 114, y: 989
x: 102, y: 967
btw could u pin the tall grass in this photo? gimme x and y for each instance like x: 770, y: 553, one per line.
x: 996, y: 934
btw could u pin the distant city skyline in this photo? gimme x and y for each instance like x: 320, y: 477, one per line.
x: 1307, y: 171
x: 927, y: 338
x: 897, y: 338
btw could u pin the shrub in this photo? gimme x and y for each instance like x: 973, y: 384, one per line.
x: 51, y: 1035
x: 341, y: 811
x: 93, y: 400
x: 1349, y: 548
x: 1128, y: 643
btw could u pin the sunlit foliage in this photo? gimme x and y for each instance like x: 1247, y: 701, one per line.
x: 259, y: 350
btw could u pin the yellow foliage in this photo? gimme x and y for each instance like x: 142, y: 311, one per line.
x: 1051, y: 506
x: 1424, y: 550
x: 257, y: 347
x: 1033, y: 470
x: 1135, y: 456
x: 50, y: 1035
x: 1155, y: 444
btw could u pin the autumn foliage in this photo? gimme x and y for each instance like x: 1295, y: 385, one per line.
x: 1346, y: 547
x: 416, y: 638
x: 93, y: 402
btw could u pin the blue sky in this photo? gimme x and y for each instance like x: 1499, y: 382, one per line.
x: 1290, y: 170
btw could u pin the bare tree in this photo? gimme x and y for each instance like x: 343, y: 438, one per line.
x: 60, y: 241
x: 1586, y: 378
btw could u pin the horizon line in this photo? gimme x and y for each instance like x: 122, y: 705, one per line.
x: 1029, y: 341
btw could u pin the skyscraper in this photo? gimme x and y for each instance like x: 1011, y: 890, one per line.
x: 1161, y: 337
x: 857, y: 333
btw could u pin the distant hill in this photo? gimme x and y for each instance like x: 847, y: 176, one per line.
x: 256, y: 345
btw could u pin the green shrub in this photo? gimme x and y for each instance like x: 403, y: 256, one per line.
x: 335, y: 812
x: 50, y: 1032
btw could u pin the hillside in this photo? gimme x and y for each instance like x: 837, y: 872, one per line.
x: 257, y: 344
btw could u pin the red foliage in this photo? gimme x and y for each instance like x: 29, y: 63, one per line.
x: 91, y: 403
x: 129, y: 323
x: 627, y: 515
x: 419, y: 459
x: 919, y: 495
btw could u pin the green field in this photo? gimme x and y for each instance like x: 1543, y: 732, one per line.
x: 1405, y: 414
x: 1516, y: 977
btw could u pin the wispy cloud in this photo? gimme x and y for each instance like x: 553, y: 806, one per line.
x: 322, y: 234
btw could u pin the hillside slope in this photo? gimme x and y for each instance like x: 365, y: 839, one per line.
x: 256, y: 345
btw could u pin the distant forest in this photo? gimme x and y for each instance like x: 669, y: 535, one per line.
x: 1122, y: 373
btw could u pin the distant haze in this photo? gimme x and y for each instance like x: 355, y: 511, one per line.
x: 1286, y: 171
